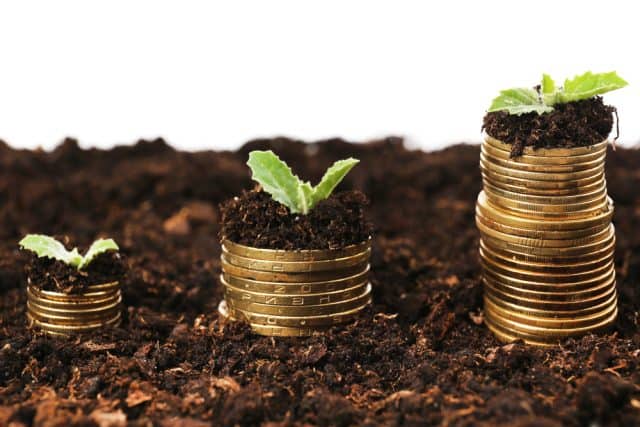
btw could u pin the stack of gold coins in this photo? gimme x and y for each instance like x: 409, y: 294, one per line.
x: 294, y: 293
x: 58, y: 313
x: 547, y: 242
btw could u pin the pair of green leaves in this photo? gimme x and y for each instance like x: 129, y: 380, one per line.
x: 526, y: 100
x: 277, y: 179
x: 45, y: 246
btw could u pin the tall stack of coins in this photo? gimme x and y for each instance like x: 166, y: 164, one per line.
x: 547, y: 242
x: 294, y: 293
x: 57, y: 313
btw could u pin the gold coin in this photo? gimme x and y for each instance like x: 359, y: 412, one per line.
x: 546, y: 192
x: 300, y: 277
x: 545, y: 277
x: 553, y: 314
x: 526, y: 160
x: 307, y: 310
x: 540, y: 234
x: 296, y: 266
x: 549, y: 152
x: 556, y: 252
x: 546, y: 266
x: 274, y: 330
x: 543, y: 332
x: 507, y: 338
x: 296, y: 300
x: 90, y: 293
x: 544, y: 242
x: 554, y: 323
x: 510, y: 335
x: 74, y: 304
x: 102, y: 287
x: 552, y: 260
x: 64, y: 329
x: 36, y: 305
x: 546, y: 211
x: 294, y: 255
x: 72, y: 319
x: 549, y: 293
x: 281, y: 288
x: 296, y: 321
x: 546, y: 214
x: 539, y: 168
x: 503, y: 217
x: 496, y: 177
x: 545, y: 304
x: 579, y: 209
x: 542, y: 287
x: 281, y: 331
x: 598, y: 194
x: 487, y: 164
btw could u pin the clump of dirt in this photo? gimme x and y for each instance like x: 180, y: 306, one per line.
x: 49, y: 274
x: 255, y: 219
x: 574, y: 124
x: 420, y: 355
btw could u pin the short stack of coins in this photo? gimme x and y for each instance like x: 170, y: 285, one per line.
x: 547, y: 242
x: 58, y: 313
x: 294, y: 293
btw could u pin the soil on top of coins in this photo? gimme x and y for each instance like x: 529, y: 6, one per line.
x: 52, y: 275
x: 255, y: 219
x: 420, y: 355
x: 574, y: 124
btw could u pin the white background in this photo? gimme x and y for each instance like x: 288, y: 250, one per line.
x: 212, y: 75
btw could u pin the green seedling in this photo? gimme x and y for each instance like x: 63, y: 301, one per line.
x: 542, y: 98
x: 277, y: 179
x: 45, y: 246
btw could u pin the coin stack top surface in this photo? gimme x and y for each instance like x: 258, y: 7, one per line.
x: 58, y: 313
x: 294, y: 293
x: 547, y: 242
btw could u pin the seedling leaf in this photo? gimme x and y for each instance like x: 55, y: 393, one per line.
x: 96, y: 248
x: 522, y: 100
x: 332, y: 177
x: 589, y: 84
x: 46, y: 246
x: 277, y: 179
x: 548, y: 85
x: 519, y: 101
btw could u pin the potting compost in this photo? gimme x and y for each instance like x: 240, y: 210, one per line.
x: 420, y: 354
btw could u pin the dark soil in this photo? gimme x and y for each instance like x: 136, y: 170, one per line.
x: 52, y: 275
x: 255, y: 219
x: 575, y: 124
x: 419, y: 356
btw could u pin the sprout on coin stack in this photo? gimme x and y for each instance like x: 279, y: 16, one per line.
x: 68, y: 293
x: 544, y: 216
x: 295, y: 258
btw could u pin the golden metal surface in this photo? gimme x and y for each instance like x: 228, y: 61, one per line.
x: 294, y: 300
x: 550, y: 152
x: 307, y: 310
x: 301, y: 255
x: 295, y: 266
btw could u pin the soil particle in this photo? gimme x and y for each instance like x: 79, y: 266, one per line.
x: 419, y: 356
x: 255, y: 219
x: 50, y: 274
x: 574, y: 124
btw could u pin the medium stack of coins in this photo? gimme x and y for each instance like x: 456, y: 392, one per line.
x: 547, y: 242
x: 57, y: 313
x: 294, y: 293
